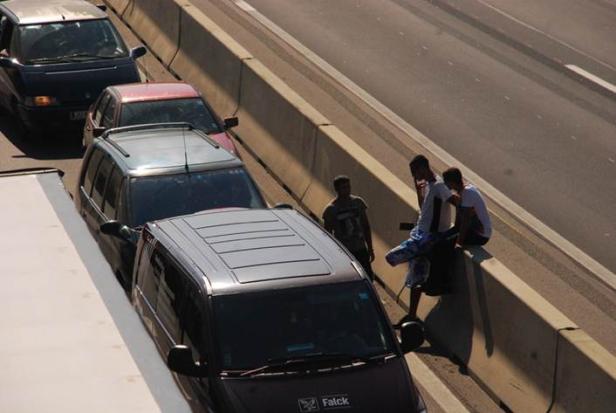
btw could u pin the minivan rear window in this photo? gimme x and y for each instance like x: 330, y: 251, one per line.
x: 165, y: 196
x: 71, y: 41
x: 329, y: 319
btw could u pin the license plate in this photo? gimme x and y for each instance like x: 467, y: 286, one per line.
x: 79, y: 115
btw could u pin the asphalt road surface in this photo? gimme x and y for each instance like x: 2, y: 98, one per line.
x: 518, y: 91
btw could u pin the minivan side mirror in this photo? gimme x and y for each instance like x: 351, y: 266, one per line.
x: 411, y: 336
x: 116, y: 229
x: 137, y: 52
x: 97, y: 131
x: 231, y: 122
x: 180, y: 360
x: 6, y: 62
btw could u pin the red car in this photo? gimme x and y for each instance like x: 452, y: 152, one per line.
x: 142, y: 103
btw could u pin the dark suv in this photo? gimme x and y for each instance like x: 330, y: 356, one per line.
x: 56, y: 56
x: 263, y: 311
x: 137, y: 174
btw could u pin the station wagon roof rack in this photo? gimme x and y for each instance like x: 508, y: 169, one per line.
x: 119, y: 148
x: 155, y: 126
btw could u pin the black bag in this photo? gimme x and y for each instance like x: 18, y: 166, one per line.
x: 441, y: 259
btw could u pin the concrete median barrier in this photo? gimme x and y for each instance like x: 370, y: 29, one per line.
x: 157, y: 23
x: 210, y: 60
x: 279, y: 126
x: 501, y: 329
x: 585, y: 375
x: 118, y: 5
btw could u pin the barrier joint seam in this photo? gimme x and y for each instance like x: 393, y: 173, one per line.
x: 239, y: 92
x: 555, y: 374
x: 177, y: 48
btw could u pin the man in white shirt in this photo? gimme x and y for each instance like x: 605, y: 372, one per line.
x: 475, y: 227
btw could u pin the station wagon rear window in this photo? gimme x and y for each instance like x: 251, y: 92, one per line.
x: 67, y: 42
x: 165, y: 196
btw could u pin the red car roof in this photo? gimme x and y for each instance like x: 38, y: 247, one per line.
x: 139, y: 92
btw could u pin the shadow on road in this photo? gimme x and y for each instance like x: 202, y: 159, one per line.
x: 47, y: 145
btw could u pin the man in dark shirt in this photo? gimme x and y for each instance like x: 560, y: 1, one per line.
x: 345, y: 217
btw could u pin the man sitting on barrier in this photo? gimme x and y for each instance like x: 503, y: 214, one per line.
x: 345, y: 217
x: 472, y: 218
x: 433, y: 222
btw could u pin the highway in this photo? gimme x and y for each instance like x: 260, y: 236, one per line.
x: 444, y: 385
x: 496, y: 84
x: 527, y: 125
x: 447, y: 68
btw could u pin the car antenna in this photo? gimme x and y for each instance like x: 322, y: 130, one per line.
x: 185, y: 152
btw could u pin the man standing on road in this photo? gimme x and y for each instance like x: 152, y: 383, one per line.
x: 473, y: 220
x: 345, y: 217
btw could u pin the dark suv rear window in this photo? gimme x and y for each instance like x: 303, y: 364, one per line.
x: 165, y: 196
x: 71, y: 41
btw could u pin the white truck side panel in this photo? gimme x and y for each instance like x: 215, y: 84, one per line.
x: 62, y: 347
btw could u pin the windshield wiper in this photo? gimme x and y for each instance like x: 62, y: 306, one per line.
x: 87, y: 55
x: 69, y: 58
x: 329, y: 359
x: 45, y: 60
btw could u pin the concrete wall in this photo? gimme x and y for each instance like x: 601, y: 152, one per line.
x: 585, y: 375
x: 211, y: 59
x: 279, y: 126
x: 118, y: 6
x: 157, y: 23
x: 511, y: 339
x: 501, y: 329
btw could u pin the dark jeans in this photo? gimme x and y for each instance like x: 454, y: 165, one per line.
x: 363, y: 256
x: 472, y: 238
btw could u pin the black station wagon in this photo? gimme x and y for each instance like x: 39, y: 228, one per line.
x: 136, y: 174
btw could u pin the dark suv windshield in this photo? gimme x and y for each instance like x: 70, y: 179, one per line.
x: 68, y: 42
x: 256, y: 328
x: 165, y: 196
x: 177, y: 110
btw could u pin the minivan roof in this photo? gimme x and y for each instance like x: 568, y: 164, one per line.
x: 239, y: 250
x: 49, y: 11
x: 145, y: 149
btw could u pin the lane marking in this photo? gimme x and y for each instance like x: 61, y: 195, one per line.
x: 433, y: 385
x: 532, y: 223
x: 603, y: 83
x: 541, y: 32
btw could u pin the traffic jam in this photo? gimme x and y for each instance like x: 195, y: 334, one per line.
x: 252, y: 307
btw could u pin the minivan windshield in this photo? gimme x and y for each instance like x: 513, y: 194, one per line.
x: 191, y: 110
x: 165, y: 196
x: 71, y: 41
x: 254, y: 329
